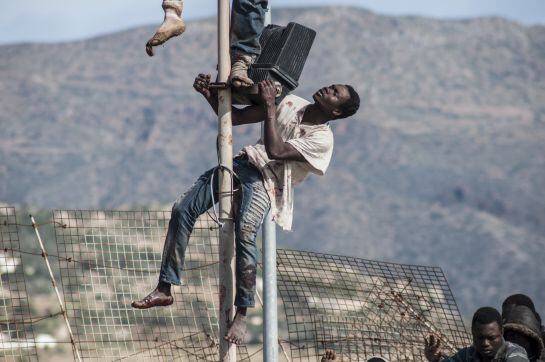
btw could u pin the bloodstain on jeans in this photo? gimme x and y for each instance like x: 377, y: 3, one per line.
x: 248, y: 277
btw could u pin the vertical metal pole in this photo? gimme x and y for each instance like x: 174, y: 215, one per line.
x: 225, y: 135
x: 270, y: 309
x: 270, y: 332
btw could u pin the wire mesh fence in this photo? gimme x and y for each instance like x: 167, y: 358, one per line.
x: 17, y: 342
x: 110, y: 258
x: 107, y: 259
x: 363, y: 308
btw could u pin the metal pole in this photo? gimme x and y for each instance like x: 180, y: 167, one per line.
x: 44, y: 255
x: 270, y: 311
x: 270, y: 332
x: 225, y: 139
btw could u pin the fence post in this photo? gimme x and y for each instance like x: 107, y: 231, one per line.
x: 225, y: 140
x: 59, y: 299
x: 270, y: 308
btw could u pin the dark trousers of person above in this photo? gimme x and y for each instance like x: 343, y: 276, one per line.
x: 253, y: 205
x: 248, y: 21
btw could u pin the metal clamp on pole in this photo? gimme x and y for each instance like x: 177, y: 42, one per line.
x: 218, y: 85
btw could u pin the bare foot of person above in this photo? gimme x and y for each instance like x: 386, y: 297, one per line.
x: 160, y: 297
x: 329, y: 355
x: 239, y: 71
x: 237, y: 330
x: 172, y: 25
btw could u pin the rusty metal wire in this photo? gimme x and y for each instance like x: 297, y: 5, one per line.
x: 363, y: 308
x: 17, y: 341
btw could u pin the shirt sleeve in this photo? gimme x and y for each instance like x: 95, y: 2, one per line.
x: 316, y: 147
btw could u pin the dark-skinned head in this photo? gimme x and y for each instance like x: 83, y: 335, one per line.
x: 486, y: 329
x: 520, y: 326
x: 337, y: 101
x: 518, y: 299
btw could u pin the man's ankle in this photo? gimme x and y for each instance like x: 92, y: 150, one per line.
x: 164, y: 287
x: 237, y: 54
x: 241, y: 311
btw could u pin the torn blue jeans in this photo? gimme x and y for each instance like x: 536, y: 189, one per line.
x: 254, y: 203
x: 248, y: 21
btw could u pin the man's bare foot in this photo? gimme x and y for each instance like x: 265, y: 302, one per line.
x: 329, y: 355
x: 172, y: 25
x: 239, y: 71
x: 160, y: 297
x: 237, y: 330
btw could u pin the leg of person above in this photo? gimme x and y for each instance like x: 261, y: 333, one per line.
x: 172, y: 25
x: 247, y: 23
x: 185, y: 212
x: 253, y: 206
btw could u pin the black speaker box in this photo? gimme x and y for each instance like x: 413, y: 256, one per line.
x: 284, y: 51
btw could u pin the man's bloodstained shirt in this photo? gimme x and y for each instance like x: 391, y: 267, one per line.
x: 314, y: 142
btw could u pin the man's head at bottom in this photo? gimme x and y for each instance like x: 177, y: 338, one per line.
x: 337, y: 101
x: 487, y: 332
x: 377, y: 359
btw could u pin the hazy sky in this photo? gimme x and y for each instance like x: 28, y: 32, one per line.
x: 59, y: 20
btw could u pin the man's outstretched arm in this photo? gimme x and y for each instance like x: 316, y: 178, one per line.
x: 275, y: 146
x: 246, y: 115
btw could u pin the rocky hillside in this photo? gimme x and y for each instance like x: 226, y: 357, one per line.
x: 444, y: 165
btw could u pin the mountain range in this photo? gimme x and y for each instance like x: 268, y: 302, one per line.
x: 444, y: 164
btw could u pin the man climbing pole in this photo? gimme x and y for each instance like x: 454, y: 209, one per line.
x: 248, y: 19
x: 297, y: 141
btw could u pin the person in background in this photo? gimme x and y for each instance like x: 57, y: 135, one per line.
x: 488, y: 343
x: 522, y: 325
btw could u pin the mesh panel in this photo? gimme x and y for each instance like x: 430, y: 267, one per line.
x: 16, y: 333
x: 364, y: 308
x: 114, y: 258
x: 359, y: 308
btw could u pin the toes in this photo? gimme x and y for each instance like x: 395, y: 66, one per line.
x: 247, y: 84
x: 149, y: 49
x: 232, y: 339
x: 155, y: 41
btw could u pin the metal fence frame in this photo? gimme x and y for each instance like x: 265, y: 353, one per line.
x: 108, y: 258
